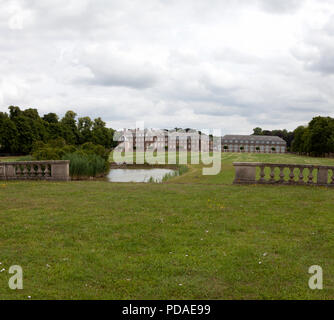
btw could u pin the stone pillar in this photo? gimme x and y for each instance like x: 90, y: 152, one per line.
x: 2, y: 171
x: 322, y: 178
x: 60, y: 170
x: 10, y: 171
x: 244, y: 173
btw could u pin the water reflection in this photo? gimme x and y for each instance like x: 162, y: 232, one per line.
x: 137, y: 175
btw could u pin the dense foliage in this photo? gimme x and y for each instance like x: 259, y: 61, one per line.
x: 316, y: 139
x: 87, y: 160
x: 21, y: 129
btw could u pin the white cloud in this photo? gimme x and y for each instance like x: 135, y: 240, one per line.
x: 232, y: 64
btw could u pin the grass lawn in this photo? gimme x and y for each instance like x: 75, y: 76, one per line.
x: 15, y: 158
x: 193, y: 237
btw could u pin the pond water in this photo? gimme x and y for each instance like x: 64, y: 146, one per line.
x: 137, y: 175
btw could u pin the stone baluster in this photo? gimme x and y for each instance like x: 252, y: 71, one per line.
x: 310, y: 176
x: 47, y: 172
x: 262, y: 174
x: 25, y: 171
x: 292, y: 175
x: 301, y: 175
x: 18, y: 171
x: 39, y: 171
x: 272, y: 174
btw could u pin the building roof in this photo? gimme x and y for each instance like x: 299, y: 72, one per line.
x: 253, y: 138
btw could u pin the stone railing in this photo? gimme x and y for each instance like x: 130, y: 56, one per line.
x: 35, y: 170
x: 271, y: 173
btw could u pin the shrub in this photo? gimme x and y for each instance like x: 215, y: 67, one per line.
x: 226, y: 147
x: 38, y: 145
x: 57, y: 143
x: 50, y: 153
x: 91, y: 148
x: 242, y: 148
x: 47, y: 154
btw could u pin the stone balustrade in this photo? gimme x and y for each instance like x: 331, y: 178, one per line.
x: 293, y: 174
x: 35, y: 170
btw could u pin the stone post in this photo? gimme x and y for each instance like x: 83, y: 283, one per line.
x: 322, y: 178
x: 60, y: 170
x: 245, y: 173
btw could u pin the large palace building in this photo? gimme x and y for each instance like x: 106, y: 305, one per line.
x: 165, y: 140
x: 261, y: 144
x: 148, y: 139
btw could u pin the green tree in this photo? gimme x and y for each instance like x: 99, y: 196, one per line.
x: 8, y: 135
x: 69, y: 128
x: 257, y: 131
x: 320, y: 135
x: 102, y: 135
x: 14, y: 112
x: 298, y: 144
x: 51, y: 118
x: 85, y: 125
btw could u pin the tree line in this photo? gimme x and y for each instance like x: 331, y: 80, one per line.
x: 314, y: 139
x: 21, y: 129
x: 286, y: 135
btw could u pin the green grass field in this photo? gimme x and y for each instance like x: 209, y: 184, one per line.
x: 193, y: 237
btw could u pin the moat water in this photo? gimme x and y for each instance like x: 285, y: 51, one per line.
x: 137, y: 175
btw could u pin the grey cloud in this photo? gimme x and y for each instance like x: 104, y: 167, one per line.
x: 120, y: 79
x: 325, y: 63
x: 317, y: 49
x: 281, y: 6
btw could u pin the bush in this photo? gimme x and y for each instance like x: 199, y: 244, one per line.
x: 91, y: 148
x: 57, y: 143
x: 46, y: 154
x: 49, y: 153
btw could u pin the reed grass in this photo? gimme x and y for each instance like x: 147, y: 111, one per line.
x: 82, y: 165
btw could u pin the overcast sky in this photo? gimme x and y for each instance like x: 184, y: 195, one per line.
x: 229, y: 64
